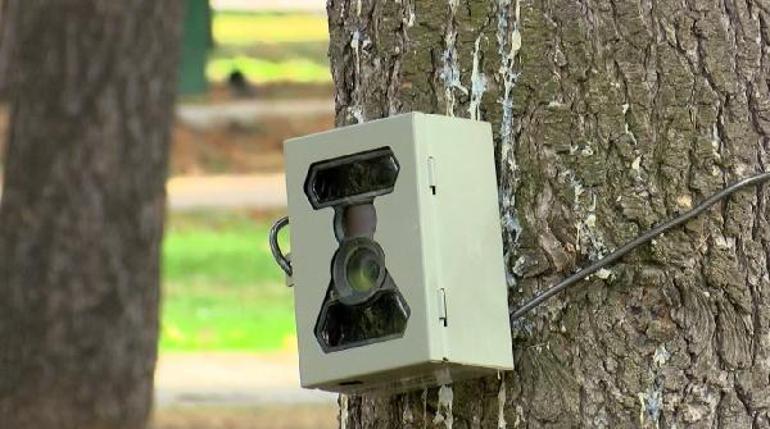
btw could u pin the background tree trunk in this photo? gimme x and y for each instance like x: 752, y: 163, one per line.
x: 610, y: 117
x: 81, y: 219
x: 5, y: 43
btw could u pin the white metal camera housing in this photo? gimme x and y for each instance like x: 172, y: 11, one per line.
x: 397, y: 258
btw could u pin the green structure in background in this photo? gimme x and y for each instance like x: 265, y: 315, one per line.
x: 197, y: 41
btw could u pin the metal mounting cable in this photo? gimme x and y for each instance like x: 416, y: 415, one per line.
x: 275, y: 248
x: 633, y: 244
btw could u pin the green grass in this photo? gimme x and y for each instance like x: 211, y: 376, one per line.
x: 270, y: 47
x: 221, y: 288
x: 258, y: 70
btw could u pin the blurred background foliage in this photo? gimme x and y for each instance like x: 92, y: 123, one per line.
x: 269, y: 47
x: 221, y: 289
x: 250, y: 79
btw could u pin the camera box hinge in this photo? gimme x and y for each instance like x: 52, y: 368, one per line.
x: 442, y: 307
x: 432, y: 174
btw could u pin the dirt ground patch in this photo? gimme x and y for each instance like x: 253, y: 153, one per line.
x: 274, y: 417
x: 237, y: 149
x: 250, y: 148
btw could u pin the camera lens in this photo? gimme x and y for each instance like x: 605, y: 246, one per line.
x: 358, y: 270
x: 363, y: 270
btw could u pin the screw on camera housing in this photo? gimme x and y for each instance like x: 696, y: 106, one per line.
x: 362, y: 304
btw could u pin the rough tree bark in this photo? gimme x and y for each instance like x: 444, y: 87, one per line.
x: 81, y: 217
x: 610, y: 116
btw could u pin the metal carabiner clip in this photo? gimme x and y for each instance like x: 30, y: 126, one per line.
x: 282, y: 260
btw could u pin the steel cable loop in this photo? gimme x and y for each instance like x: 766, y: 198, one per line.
x: 633, y: 244
x: 275, y: 248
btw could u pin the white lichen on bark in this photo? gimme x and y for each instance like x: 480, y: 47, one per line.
x: 651, y: 400
x: 604, y: 274
x: 357, y: 44
x: 508, y: 45
x: 450, y: 70
x: 344, y: 411
x: 407, y: 417
x: 478, y: 83
x: 424, y: 397
x: 589, y: 238
x: 411, y: 17
x: 501, y: 424
x: 444, y: 411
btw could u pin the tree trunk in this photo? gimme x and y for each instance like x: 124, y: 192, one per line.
x: 5, y: 42
x: 82, y: 210
x: 610, y: 117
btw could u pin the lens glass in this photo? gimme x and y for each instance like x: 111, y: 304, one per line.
x: 363, y: 174
x: 345, y: 326
x: 363, y: 270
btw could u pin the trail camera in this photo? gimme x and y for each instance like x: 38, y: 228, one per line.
x: 396, y: 254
